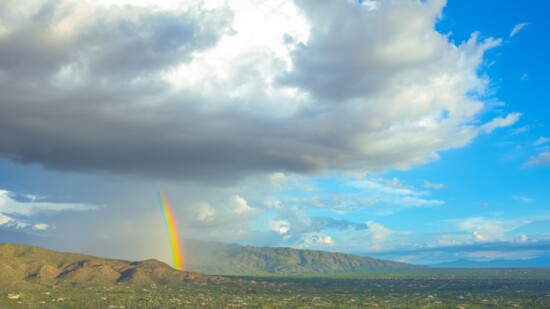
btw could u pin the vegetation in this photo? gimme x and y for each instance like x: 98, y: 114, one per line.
x: 224, y: 259
x: 32, y: 277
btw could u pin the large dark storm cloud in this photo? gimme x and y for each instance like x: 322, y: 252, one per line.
x: 85, y: 88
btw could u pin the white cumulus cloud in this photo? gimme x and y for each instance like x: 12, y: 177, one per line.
x: 240, y: 205
x: 205, y: 212
x: 377, y: 231
x: 277, y: 179
x: 279, y: 226
x: 325, y: 240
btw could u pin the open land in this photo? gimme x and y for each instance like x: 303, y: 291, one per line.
x: 428, y: 288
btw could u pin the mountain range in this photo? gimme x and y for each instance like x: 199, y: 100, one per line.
x: 543, y: 261
x: 25, y: 266
x: 231, y: 259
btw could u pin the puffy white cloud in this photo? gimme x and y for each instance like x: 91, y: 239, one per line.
x: 279, y: 226
x: 377, y: 231
x: 315, y: 240
x: 509, y: 120
x: 240, y: 205
x: 277, y: 179
x: 205, y: 212
x: 517, y: 28
x: 542, y: 159
x: 325, y: 240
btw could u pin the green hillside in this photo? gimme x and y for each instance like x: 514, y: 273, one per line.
x: 232, y: 259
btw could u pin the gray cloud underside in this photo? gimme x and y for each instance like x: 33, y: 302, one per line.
x: 91, y: 96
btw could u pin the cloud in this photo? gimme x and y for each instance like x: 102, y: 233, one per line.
x: 217, y: 214
x: 40, y: 226
x: 21, y: 214
x: 434, y: 186
x: 315, y: 240
x: 382, y: 193
x: 10, y: 205
x: 517, y: 28
x: 240, y: 206
x: 205, y: 212
x: 4, y: 219
x: 524, y: 77
x: 542, y: 140
x: 277, y: 179
x: 279, y: 226
x: 325, y: 240
x: 485, y: 250
x: 377, y: 231
x: 214, y: 93
x: 478, y: 237
x: 522, y: 198
x: 488, y: 229
x: 343, y: 194
x: 542, y: 159
x: 509, y: 120
x: 502, y: 255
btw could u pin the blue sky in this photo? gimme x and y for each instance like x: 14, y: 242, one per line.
x: 408, y: 130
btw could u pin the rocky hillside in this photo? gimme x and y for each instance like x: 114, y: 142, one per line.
x: 28, y: 266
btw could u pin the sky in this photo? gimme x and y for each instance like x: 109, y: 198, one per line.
x: 401, y: 129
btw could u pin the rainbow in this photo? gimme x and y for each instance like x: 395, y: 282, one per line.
x: 172, y: 229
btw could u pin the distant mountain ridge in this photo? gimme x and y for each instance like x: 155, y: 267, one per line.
x: 528, y: 263
x: 231, y: 259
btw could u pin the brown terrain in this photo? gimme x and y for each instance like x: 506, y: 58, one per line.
x: 25, y: 266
